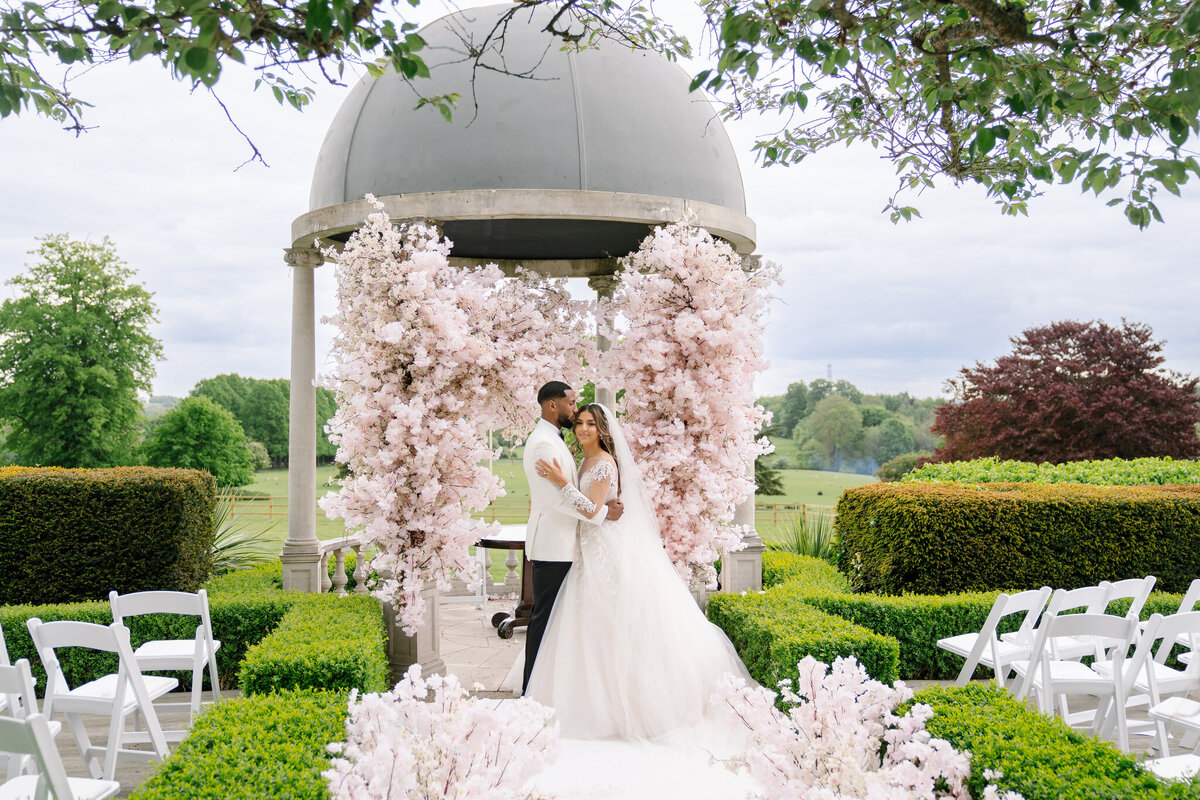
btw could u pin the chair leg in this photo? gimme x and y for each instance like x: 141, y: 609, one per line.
x: 213, y: 677
x: 79, y: 734
x: 197, y: 687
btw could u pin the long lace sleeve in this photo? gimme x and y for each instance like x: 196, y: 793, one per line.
x: 578, y: 500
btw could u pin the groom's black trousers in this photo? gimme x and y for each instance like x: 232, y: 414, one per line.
x: 548, y: 576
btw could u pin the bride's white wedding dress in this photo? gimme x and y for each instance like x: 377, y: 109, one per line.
x: 627, y: 654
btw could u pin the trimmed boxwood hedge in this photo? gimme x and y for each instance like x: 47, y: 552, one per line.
x: 245, y: 607
x: 937, y: 538
x: 1038, y: 756
x: 70, y: 535
x: 261, y: 746
x: 324, y: 642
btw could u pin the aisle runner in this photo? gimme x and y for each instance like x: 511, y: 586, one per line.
x: 608, y: 770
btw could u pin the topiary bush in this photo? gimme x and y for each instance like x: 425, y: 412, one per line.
x: 70, y: 535
x: 937, y: 538
x: 254, y: 747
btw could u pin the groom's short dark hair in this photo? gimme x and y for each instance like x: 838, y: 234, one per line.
x: 552, y: 391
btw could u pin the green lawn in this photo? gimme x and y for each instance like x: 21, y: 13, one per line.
x: 811, y: 487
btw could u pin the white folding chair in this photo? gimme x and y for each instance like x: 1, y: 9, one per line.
x: 17, y: 689
x: 1093, y: 600
x: 32, y: 737
x: 1147, y: 677
x: 1051, y: 676
x: 116, y: 695
x: 174, y: 654
x: 1137, y: 590
x: 987, y: 648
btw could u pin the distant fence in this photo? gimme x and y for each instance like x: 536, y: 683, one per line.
x: 515, y: 511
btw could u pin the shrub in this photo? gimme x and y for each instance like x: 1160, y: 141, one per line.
x: 239, y: 542
x: 1038, y: 756
x: 943, y: 538
x: 897, y: 468
x: 1105, y: 472
x: 254, y: 747
x: 244, y: 608
x: 808, y: 535
x: 775, y: 630
x: 199, y: 434
x: 75, y: 534
x: 301, y: 653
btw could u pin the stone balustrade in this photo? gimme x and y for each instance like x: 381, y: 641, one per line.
x: 337, y: 549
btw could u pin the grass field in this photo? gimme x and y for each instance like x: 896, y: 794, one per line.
x: 811, y: 487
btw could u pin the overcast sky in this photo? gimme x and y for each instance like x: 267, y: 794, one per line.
x: 889, y: 308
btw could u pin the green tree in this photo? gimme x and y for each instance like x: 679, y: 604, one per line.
x: 228, y: 391
x: 199, y: 434
x: 836, y: 426
x: 326, y: 408
x: 766, y: 479
x: 75, y: 348
x: 265, y: 416
x: 793, y: 408
x: 1102, y: 94
x: 874, y: 416
x: 895, y: 438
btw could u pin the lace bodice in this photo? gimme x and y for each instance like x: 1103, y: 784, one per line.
x: 579, y: 497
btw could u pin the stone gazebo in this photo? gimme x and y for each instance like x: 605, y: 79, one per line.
x: 555, y: 160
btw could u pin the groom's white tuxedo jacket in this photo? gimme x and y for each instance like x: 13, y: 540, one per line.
x: 553, y: 521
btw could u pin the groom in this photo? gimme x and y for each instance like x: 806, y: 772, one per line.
x: 553, y: 522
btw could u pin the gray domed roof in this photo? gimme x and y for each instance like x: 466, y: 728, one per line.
x: 609, y: 119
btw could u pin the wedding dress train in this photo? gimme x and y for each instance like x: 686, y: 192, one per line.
x: 627, y: 654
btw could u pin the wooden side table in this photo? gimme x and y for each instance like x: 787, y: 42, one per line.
x: 512, y: 537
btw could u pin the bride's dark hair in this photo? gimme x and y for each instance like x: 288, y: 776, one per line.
x: 605, y: 435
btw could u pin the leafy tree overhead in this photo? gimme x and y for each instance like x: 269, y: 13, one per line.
x: 1012, y: 96
x: 1070, y: 391
x: 1102, y: 94
x: 199, y: 434
x: 76, y: 349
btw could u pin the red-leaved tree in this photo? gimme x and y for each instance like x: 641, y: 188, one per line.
x: 1070, y: 391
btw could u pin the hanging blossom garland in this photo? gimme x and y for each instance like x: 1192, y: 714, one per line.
x: 839, y: 738
x: 428, y: 357
x: 687, y: 361
x: 453, y: 746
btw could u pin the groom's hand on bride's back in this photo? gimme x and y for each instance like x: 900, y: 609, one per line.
x: 615, y: 509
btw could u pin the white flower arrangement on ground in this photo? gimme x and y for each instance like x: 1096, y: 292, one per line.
x: 840, y: 739
x: 404, y: 745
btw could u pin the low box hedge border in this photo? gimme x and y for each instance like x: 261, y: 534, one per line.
x: 245, y: 607
x: 1038, y: 756
x: 800, y: 586
x: 254, y: 747
x: 323, y: 642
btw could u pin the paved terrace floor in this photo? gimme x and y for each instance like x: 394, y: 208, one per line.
x: 473, y: 652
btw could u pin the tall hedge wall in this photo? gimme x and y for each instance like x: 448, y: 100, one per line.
x: 934, y: 538
x: 70, y: 535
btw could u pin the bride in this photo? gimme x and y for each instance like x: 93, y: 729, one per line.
x: 627, y: 654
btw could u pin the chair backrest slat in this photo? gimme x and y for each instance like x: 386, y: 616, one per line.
x: 32, y: 737
x: 139, y: 603
x: 1136, y: 590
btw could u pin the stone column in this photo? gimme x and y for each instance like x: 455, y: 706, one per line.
x: 300, y: 558
x: 603, y: 286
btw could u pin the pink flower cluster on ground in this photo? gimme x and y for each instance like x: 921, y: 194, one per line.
x: 405, y: 746
x: 840, y: 739
x: 428, y: 358
x: 687, y: 361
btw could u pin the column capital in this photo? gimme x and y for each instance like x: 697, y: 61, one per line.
x: 303, y: 257
x: 752, y: 262
x: 602, y: 285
